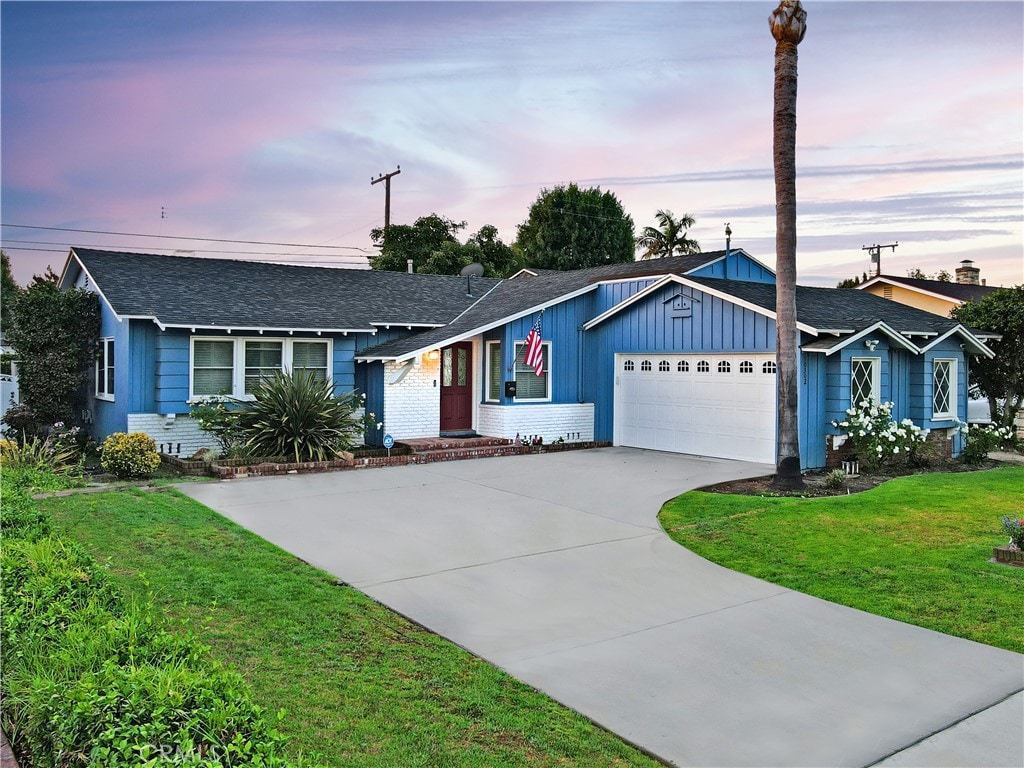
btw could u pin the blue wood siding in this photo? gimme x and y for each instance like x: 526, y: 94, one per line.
x: 112, y: 416
x: 947, y: 350
x: 813, y: 423
x: 561, y: 327
x: 612, y: 294
x: 736, y: 266
x: 370, y: 380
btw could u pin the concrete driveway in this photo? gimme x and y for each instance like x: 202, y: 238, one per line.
x: 554, y: 568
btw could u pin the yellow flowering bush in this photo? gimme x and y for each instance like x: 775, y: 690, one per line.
x: 129, y: 455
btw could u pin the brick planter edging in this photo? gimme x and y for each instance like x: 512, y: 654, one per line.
x: 235, y: 469
x: 1009, y: 555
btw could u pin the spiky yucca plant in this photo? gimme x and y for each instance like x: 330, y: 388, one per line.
x: 298, y: 416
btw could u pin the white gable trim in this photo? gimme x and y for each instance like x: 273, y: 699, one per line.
x: 879, y: 327
x: 641, y: 295
x: 971, y: 339
x: 523, y: 271
x: 448, y: 340
x: 95, y: 286
x: 896, y: 283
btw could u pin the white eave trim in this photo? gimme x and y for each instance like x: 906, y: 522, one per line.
x: 641, y: 295
x: 448, y: 340
x: 879, y: 327
x: 407, y: 326
x: 969, y: 337
x: 896, y: 283
x: 258, y: 328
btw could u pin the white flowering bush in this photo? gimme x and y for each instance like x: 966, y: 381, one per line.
x: 877, y: 440
x: 982, y: 438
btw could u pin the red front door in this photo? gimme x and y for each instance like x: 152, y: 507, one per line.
x: 457, y: 387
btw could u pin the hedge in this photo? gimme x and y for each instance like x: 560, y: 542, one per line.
x: 90, y: 678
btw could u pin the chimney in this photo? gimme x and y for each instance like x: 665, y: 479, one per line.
x: 408, y: 266
x: 967, y: 273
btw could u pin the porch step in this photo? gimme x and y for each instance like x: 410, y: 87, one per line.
x: 468, y: 452
x: 427, y: 444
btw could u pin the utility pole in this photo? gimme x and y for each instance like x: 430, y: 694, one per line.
x: 386, y: 178
x: 875, y: 252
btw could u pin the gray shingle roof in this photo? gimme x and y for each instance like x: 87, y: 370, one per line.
x: 837, y: 309
x: 512, y: 298
x: 189, y: 291
x: 955, y: 291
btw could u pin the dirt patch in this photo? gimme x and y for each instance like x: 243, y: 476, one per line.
x: 815, y: 482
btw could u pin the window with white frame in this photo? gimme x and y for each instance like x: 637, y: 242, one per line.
x: 493, y: 370
x: 943, y: 389
x: 864, y: 380
x: 234, y: 367
x: 105, y: 369
x: 530, y: 386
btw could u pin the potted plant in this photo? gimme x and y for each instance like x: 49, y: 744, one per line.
x: 1013, y: 552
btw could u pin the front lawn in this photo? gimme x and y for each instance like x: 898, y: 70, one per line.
x: 914, y: 549
x: 361, y: 685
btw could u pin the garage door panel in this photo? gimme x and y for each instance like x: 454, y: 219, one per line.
x: 717, y: 405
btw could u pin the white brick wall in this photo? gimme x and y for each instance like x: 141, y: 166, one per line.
x: 182, y: 438
x: 412, y: 407
x: 550, y: 421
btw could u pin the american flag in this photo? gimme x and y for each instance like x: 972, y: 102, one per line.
x: 534, y: 356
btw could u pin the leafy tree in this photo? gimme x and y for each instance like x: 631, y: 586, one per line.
x: 54, y: 333
x: 852, y: 282
x: 570, y: 228
x: 1000, y: 379
x: 669, y: 237
x: 788, y: 24
x: 8, y: 290
x: 484, y: 247
x: 416, y: 241
x: 919, y: 274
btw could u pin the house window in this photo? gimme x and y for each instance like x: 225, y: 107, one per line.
x: 864, y: 380
x: 262, y: 360
x: 703, y: 367
x: 682, y: 366
x: 943, y: 389
x: 311, y: 357
x: 493, y: 370
x: 234, y: 367
x: 105, y: 369
x: 213, y: 365
x: 530, y: 386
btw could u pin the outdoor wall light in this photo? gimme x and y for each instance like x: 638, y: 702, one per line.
x: 871, y: 344
x: 433, y: 355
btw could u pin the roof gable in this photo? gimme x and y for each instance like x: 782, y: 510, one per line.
x: 957, y: 293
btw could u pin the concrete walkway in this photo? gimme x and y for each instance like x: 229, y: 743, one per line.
x: 554, y: 568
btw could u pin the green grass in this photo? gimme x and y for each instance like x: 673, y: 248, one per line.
x: 361, y: 685
x: 914, y: 549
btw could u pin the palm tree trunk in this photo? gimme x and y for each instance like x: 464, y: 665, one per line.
x: 788, y: 25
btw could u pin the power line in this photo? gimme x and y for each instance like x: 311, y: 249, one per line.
x: 7, y: 245
x: 183, y: 237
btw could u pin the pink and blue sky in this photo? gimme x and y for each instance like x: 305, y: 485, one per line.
x: 266, y: 121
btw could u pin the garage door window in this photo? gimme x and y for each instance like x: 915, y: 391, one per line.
x: 768, y: 367
x: 683, y: 366
x: 746, y: 367
x: 628, y: 365
x: 724, y: 367
x: 703, y: 367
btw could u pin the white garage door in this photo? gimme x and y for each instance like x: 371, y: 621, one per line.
x: 710, y: 405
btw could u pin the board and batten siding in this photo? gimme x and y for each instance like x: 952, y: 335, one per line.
x: 814, y: 423
x: 652, y: 325
x: 736, y: 266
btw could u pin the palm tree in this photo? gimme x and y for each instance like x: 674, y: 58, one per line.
x: 788, y: 24
x: 669, y: 237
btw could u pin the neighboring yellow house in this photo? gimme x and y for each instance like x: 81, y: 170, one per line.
x: 935, y: 296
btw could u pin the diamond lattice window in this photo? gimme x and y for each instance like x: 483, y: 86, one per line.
x: 942, y: 387
x: 863, y: 380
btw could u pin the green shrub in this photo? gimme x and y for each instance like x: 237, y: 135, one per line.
x: 90, y: 679
x: 296, y: 415
x: 980, y: 440
x: 1014, y: 527
x: 219, y: 417
x: 37, y: 453
x: 129, y: 455
x: 877, y: 440
x: 835, y: 479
